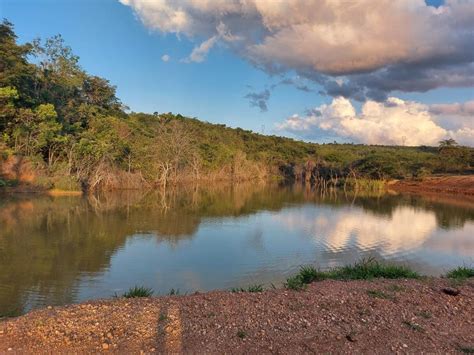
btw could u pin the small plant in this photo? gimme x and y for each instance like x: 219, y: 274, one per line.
x: 370, y: 268
x: 413, y: 326
x: 378, y: 294
x: 466, y: 349
x: 174, y: 292
x: 251, y: 288
x: 163, y: 317
x: 395, y: 288
x: 138, y: 291
x: 461, y: 272
x: 241, y: 334
x: 424, y: 314
x: 294, y: 283
x: 365, y: 269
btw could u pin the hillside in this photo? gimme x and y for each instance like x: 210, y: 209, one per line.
x: 65, y: 129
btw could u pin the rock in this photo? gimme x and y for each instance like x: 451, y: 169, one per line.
x: 105, y: 346
x: 351, y: 338
x: 451, y: 291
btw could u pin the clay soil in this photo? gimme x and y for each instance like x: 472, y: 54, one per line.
x: 380, y: 316
x: 447, y: 185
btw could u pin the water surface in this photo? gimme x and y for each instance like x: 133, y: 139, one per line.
x: 59, y: 250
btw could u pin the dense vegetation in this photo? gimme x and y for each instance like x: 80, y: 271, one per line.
x: 61, y: 127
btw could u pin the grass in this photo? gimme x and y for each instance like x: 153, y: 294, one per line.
x: 365, y: 269
x: 414, y: 326
x: 460, y: 273
x: 174, y: 292
x: 379, y: 294
x: 466, y: 349
x: 138, y: 291
x: 425, y: 314
x: 251, y: 288
x: 241, y: 334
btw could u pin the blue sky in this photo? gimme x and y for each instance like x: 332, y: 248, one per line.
x: 113, y: 42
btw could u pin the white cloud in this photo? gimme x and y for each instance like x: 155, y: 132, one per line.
x: 165, y: 58
x: 384, y: 45
x: 395, y: 121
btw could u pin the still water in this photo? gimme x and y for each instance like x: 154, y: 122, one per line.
x: 59, y: 250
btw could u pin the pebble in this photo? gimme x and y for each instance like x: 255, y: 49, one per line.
x: 105, y: 346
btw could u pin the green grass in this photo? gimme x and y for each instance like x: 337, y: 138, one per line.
x: 466, y: 349
x: 425, y: 314
x: 251, y: 288
x: 138, y: 291
x: 174, y: 292
x: 461, y: 272
x: 365, y: 269
x: 413, y: 326
x: 241, y: 334
x: 379, y: 294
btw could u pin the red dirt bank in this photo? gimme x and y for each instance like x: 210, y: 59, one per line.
x: 379, y: 316
x: 458, y: 185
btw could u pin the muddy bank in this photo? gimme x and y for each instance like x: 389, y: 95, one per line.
x: 332, y: 316
x: 445, y: 185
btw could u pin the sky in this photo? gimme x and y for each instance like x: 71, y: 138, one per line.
x: 385, y: 72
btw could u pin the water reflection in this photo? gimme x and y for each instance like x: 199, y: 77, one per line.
x: 66, y: 249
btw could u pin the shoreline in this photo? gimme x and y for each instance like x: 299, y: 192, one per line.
x: 380, y: 315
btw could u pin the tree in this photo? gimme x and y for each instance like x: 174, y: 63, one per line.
x: 449, y: 142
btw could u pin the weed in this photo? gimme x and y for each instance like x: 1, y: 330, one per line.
x: 379, y: 294
x: 295, y: 283
x: 163, y: 317
x: 138, y: 292
x: 173, y: 292
x: 241, y: 334
x: 395, y: 288
x: 251, y: 288
x: 413, y: 326
x: 461, y: 272
x: 466, y: 349
x: 369, y: 269
x: 425, y: 314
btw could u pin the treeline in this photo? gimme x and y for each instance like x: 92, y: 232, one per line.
x: 63, y: 128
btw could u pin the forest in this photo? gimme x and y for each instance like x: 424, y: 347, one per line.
x: 62, y: 128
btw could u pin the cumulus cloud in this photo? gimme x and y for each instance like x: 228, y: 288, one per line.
x: 361, y: 49
x: 394, y: 121
x: 165, y: 58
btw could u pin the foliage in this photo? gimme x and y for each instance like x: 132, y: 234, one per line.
x: 363, y: 270
x: 251, y: 288
x: 138, y: 291
x: 461, y: 272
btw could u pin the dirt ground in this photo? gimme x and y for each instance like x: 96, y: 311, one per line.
x: 381, y: 316
x: 457, y: 185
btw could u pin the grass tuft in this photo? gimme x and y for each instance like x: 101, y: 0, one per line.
x: 466, y: 349
x: 241, y: 334
x: 174, y: 292
x: 379, y: 294
x: 138, y: 291
x: 414, y: 326
x: 363, y: 270
x: 251, y: 288
x: 461, y: 272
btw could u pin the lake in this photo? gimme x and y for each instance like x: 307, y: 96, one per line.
x: 60, y: 250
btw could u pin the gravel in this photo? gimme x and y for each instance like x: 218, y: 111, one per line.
x: 406, y: 316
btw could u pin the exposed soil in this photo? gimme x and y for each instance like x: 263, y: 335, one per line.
x: 453, y: 185
x: 381, y: 316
